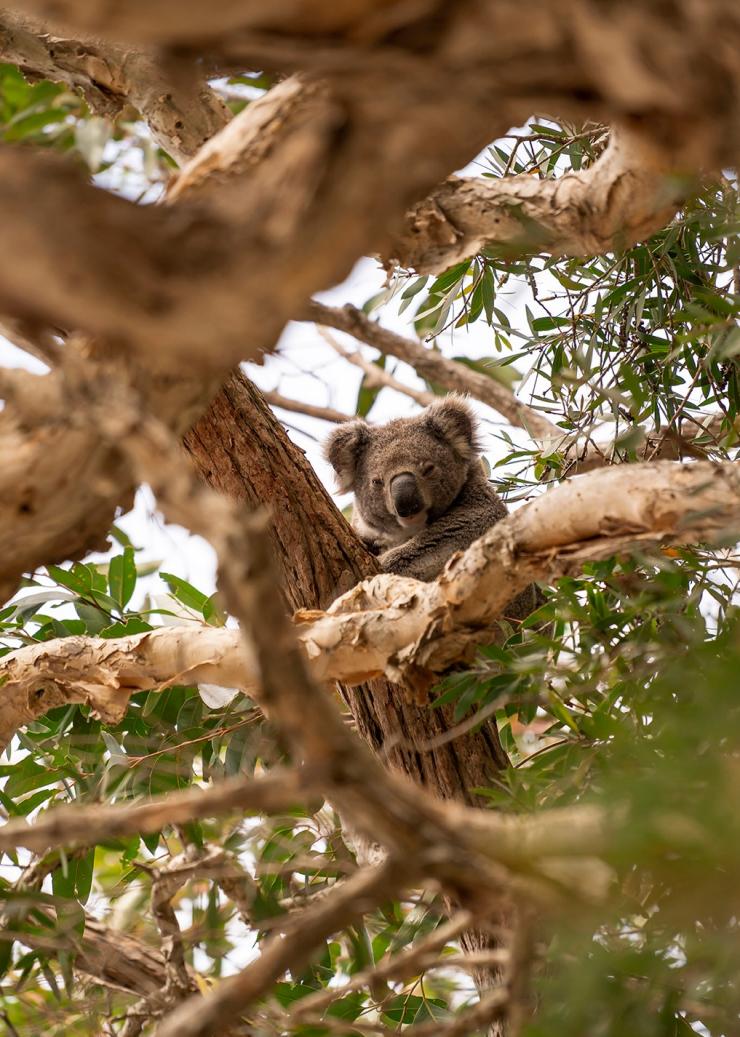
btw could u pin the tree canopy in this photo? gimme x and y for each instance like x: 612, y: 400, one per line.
x: 324, y: 800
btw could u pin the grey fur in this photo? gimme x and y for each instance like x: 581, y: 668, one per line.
x: 440, y: 450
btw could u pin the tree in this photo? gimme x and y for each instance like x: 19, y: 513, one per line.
x: 546, y: 806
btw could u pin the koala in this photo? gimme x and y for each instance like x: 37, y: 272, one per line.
x: 420, y: 490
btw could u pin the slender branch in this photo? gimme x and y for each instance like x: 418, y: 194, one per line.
x: 398, y: 967
x: 276, y: 399
x: 434, y: 367
x: 376, y: 377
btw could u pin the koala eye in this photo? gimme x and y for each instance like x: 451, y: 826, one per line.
x: 427, y: 469
x: 377, y: 482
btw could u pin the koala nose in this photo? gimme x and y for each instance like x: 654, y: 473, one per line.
x: 405, y: 495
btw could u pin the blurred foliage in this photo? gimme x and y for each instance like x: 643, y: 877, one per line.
x: 622, y: 690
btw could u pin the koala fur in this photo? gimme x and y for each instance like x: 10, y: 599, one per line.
x: 420, y: 490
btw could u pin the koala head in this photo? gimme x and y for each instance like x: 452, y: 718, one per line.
x: 407, y: 473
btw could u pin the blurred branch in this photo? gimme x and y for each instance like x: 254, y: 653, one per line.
x: 172, y: 96
x: 83, y: 824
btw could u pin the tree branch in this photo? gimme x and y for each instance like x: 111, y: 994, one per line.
x: 390, y: 624
x: 81, y: 824
x: 180, y: 108
x: 430, y: 364
x: 276, y: 399
x: 628, y: 194
x: 376, y: 377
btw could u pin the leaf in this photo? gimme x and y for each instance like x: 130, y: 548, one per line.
x: 131, y: 625
x: 366, y: 396
x: 78, y: 578
x: 122, y: 538
x: 407, y: 295
x: 213, y: 614
x: 122, y: 576
x: 84, y: 876
x: 505, y: 373
x: 185, y: 593
x: 450, y: 277
x: 64, y: 878
x: 118, y: 755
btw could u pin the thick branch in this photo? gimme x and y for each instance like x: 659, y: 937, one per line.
x: 180, y: 108
x: 392, y: 625
x: 628, y: 194
x: 175, y: 21
x: 287, y: 177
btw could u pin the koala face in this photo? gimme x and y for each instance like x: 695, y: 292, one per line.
x: 407, y: 473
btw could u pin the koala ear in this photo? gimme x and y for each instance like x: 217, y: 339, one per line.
x: 453, y: 420
x: 343, y: 450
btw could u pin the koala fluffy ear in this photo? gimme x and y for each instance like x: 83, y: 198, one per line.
x: 453, y: 420
x: 343, y: 450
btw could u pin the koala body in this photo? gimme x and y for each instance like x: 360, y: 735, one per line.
x: 420, y: 490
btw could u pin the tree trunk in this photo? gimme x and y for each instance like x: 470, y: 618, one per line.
x: 240, y: 448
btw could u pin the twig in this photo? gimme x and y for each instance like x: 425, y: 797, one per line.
x: 275, y: 399
x: 400, y: 967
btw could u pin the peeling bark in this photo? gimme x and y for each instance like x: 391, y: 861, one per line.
x: 632, y: 191
x: 393, y: 625
x: 180, y: 108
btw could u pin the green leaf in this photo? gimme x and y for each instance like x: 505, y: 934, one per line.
x: 78, y: 578
x: 122, y: 577
x: 366, y: 397
x: 185, y: 593
x: 84, y: 876
x: 213, y: 614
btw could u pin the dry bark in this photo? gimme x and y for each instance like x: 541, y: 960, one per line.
x: 179, y: 107
x: 396, y: 626
x: 631, y: 191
